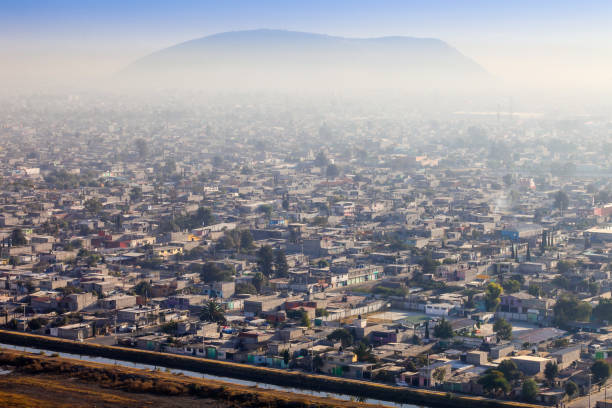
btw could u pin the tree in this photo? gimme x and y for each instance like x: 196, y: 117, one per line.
x: 569, y: 309
x: 135, y: 193
x: 530, y: 390
x: 564, y: 267
x: 510, y: 370
x: 444, y: 330
x: 280, y: 264
x: 93, y: 206
x: 603, y: 311
x: 142, y: 147
x: 246, y: 288
x: 265, y: 260
x: 571, y: 388
x: 266, y: 210
x: 18, y: 238
x: 561, y: 201
x: 511, y: 286
x: 364, y: 353
x: 550, y: 372
x: 332, y: 171
x: 428, y: 265
x: 259, y: 281
x: 492, y: 294
x: 534, y: 290
x: 507, y: 179
x: 286, y: 357
x: 246, y: 240
x: 317, y: 363
x: 439, y: 374
x: 493, y: 381
x: 321, y: 159
x: 304, y: 319
x: 503, y: 329
x: 211, y: 272
x: 601, y: 371
x: 343, y: 335
x: 212, y: 312
x: 143, y: 289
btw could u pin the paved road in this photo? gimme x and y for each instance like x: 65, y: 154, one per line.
x: 583, y: 402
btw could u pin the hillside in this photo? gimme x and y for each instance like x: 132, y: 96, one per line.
x: 270, y: 59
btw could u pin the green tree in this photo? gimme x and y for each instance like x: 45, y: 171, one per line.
x: 135, y: 194
x: 143, y: 288
x: 511, y: 286
x: 530, y: 390
x: 266, y: 210
x: 317, y: 363
x: 259, y: 281
x: 212, y: 312
x: 510, y: 370
x: 439, y: 374
x: 503, y: 329
x: 245, y: 288
x: 246, y: 240
x: 321, y: 160
x: 304, y: 319
x: 507, y: 180
x: 492, y: 294
x: 280, y: 264
x: 18, y: 238
x: 211, y: 272
x: 603, y: 311
x: 332, y: 171
x: 534, y: 290
x: 561, y: 201
x: 428, y: 265
x: 342, y: 335
x: 443, y: 330
x: 564, y: 267
x: 93, y: 206
x: 142, y: 147
x: 569, y: 309
x: 571, y: 389
x: 493, y: 382
x: 364, y: 353
x: 286, y: 357
x: 550, y: 372
x: 265, y: 260
x: 601, y: 371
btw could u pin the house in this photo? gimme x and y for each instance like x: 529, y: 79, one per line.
x: 118, y: 302
x: 75, y: 302
x: 530, y: 365
x: 476, y: 358
x: 221, y: 290
x: 428, y: 375
x: 522, y: 306
x: 565, y: 357
x: 77, y: 331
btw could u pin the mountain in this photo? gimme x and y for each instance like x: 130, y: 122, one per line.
x: 278, y: 59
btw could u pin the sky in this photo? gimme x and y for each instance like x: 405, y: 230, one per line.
x: 538, y: 43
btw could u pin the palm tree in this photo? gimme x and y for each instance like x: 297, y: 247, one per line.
x: 212, y: 312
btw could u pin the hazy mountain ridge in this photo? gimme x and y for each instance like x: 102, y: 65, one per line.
x: 280, y: 59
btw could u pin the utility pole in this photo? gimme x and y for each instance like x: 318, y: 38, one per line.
x: 589, y: 390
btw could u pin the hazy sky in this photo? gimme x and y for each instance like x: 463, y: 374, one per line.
x: 541, y: 43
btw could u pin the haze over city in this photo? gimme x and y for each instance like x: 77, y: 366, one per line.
x: 548, y: 45
x: 305, y: 204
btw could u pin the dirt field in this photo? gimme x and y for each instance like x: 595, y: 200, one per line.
x: 56, y: 391
x: 38, y: 380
